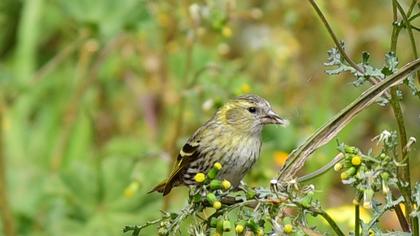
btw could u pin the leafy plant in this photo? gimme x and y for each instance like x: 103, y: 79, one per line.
x: 284, y: 207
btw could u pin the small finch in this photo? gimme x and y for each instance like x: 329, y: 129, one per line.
x: 231, y: 137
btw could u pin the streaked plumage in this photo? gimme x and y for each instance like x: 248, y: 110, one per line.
x: 232, y: 137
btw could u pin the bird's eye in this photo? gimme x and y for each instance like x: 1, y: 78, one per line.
x: 252, y: 109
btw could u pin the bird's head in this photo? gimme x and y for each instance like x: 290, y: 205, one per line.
x: 249, y: 113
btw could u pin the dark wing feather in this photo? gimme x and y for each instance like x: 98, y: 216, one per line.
x: 189, y: 152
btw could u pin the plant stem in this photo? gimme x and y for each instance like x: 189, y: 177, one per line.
x: 331, y: 222
x: 323, y: 169
x: 403, y: 172
x: 409, y: 30
x: 357, y: 219
x: 324, y: 20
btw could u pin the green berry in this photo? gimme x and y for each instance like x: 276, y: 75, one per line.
x: 226, y: 226
x: 215, y: 184
x: 348, y: 173
x: 211, y: 198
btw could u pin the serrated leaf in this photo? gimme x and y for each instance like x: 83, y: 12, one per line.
x: 391, y: 63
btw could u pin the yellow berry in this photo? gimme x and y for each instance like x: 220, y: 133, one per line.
x: 199, y: 177
x: 288, y: 228
x: 217, y: 165
x: 226, y: 184
x: 239, y: 228
x: 348, y: 173
x: 344, y: 176
x: 217, y: 234
x: 356, y: 160
x: 338, y: 166
x: 217, y: 205
x: 260, y: 232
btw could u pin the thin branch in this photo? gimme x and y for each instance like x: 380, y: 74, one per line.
x: 372, y: 80
x: 411, y: 8
x: 324, y: 215
x: 404, y: 171
x: 324, y: 134
x: 410, y: 31
x: 323, y: 169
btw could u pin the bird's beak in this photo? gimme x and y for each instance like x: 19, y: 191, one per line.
x: 272, y: 118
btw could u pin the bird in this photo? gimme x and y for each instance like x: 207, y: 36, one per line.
x: 231, y: 137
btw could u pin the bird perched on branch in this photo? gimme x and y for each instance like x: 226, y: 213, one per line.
x: 231, y: 137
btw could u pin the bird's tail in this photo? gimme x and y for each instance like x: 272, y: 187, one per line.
x: 159, y: 188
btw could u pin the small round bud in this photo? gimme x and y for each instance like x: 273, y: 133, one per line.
x: 260, y: 231
x: 239, y: 228
x: 199, y: 177
x: 356, y: 160
x: 250, y: 194
x: 215, y: 184
x: 338, y: 166
x: 217, y: 205
x: 344, y: 175
x: 350, y: 149
x: 385, y: 176
x: 226, y: 184
x: 226, y: 226
x: 217, y: 165
x: 348, y: 173
x: 219, y: 226
x: 211, y: 198
x: 213, y: 222
x: 288, y: 228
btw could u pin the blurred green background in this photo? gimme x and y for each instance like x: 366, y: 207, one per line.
x: 96, y: 97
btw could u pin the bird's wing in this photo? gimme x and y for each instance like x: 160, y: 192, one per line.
x: 189, y: 152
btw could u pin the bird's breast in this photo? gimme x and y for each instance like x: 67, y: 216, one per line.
x: 238, y: 161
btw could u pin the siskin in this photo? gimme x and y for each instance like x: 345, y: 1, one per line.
x: 232, y: 137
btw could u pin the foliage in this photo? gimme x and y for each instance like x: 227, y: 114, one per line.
x: 96, y: 97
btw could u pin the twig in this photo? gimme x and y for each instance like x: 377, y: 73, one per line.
x: 324, y: 215
x: 323, y: 169
x: 410, y: 32
x: 404, y: 171
x: 372, y: 80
